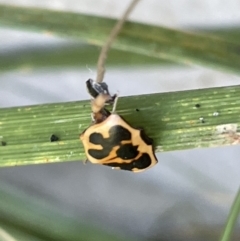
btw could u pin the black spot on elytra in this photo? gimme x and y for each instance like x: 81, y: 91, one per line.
x: 145, y: 138
x: 96, y: 138
x: 127, y: 151
x: 100, y: 154
x: 117, y: 134
x: 142, y: 162
x: 53, y: 138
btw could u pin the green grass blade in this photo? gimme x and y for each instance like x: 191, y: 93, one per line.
x: 69, y: 56
x: 229, y: 33
x: 232, y: 219
x: 177, y: 46
x: 24, y: 216
x: 79, y: 55
x: 8, y: 233
x: 171, y: 119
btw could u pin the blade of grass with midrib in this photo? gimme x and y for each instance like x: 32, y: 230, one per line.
x: 173, y: 45
x: 172, y: 119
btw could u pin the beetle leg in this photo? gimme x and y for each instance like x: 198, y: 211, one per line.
x: 85, y: 161
x: 92, y: 117
x: 115, y: 104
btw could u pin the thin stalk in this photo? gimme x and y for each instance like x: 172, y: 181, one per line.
x: 112, y: 36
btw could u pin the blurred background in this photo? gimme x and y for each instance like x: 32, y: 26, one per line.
x: 188, y: 195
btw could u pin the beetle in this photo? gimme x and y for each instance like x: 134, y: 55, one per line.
x: 113, y: 142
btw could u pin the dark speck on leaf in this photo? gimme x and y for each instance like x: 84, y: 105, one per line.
x: 197, y: 105
x: 202, y: 120
x: 53, y: 138
x: 3, y: 143
x: 137, y: 110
